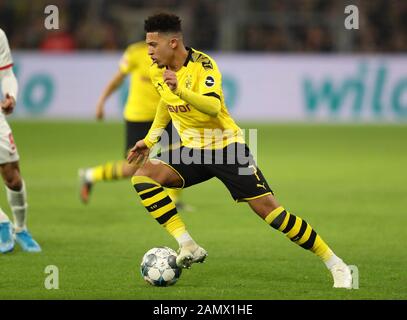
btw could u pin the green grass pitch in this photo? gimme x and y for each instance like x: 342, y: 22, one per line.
x: 349, y: 182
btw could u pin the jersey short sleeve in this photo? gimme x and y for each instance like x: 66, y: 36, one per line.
x: 5, y: 54
x: 127, y: 62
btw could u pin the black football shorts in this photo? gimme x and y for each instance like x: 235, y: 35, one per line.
x: 136, y: 131
x: 233, y: 165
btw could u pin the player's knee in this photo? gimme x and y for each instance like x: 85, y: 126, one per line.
x: 128, y: 170
x: 142, y: 172
x: 264, y: 205
x: 13, y: 182
x: 263, y: 211
x: 143, y: 185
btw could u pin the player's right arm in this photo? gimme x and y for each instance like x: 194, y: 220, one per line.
x: 112, y: 86
x: 138, y: 155
x: 161, y: 120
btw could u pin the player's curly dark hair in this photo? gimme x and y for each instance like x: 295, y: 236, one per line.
x: 162, y: 22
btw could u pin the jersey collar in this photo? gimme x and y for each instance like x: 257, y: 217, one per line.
x: 189, y: 56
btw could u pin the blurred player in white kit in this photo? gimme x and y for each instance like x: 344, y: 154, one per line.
x: 9, y: 166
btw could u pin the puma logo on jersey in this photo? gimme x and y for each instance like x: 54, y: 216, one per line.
x: 159, y: 86
x: 261, y: 186
x: 177, y: 109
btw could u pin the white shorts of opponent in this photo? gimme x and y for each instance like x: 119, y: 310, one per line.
x: 8, y: 148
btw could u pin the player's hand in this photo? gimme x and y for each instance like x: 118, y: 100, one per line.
x: 100, y: 111
x: 138, y: 155
x: 8, y: 104
x: 170, y: 78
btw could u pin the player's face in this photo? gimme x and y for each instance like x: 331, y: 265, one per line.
x: 160, y: 48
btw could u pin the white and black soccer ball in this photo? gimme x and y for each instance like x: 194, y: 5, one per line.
x: 159, y: 267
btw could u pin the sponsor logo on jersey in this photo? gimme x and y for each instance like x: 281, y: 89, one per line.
x: 180, y: 108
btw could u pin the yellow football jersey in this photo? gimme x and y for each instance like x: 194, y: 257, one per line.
x: 143, y: 98
x: 199, y: 74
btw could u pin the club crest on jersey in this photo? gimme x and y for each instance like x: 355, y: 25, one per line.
x: 209, y: 81
x: 188, y: 82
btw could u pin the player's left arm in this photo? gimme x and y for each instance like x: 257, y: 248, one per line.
x: 9, y: 88
x: 207, y: 100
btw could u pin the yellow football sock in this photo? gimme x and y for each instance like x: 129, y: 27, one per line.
x: 108, y: 171
x: 174, y: 194
x: 299, y: 231
x: 161, y: 207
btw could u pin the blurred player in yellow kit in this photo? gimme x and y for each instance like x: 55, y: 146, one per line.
x: 139, y: 114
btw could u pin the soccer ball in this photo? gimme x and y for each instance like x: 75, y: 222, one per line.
x: 159, y: 267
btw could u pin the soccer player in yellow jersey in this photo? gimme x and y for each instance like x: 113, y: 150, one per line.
x: 189, y: 84
x: 139, y: 114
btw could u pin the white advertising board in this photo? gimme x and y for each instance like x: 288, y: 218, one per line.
x: 343, y: 88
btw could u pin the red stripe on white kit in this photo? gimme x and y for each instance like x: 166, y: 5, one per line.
x: 6, y: 67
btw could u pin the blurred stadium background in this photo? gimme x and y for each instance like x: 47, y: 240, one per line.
x: 304, y: 62
x: 330, y: 106
x: 232, y: 25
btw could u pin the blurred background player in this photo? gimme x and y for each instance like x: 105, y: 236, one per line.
x: 139, y: 114
x: 9, y: 166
